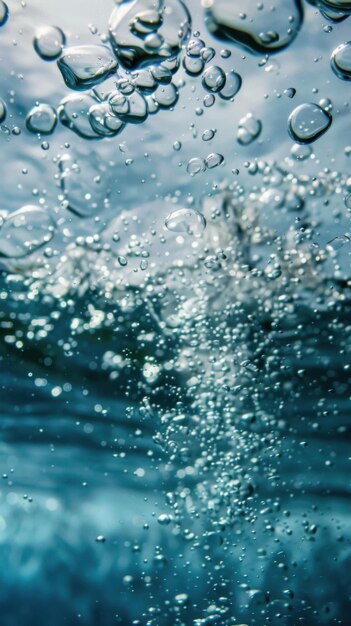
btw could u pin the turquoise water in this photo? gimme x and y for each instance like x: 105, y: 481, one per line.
x: 174, y: 322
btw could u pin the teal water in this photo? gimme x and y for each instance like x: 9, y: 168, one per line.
x: 174, y: 322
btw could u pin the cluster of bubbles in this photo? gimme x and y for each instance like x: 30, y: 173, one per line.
x: 229, y: 255
x: 144, y: 61
x: 142, y: 64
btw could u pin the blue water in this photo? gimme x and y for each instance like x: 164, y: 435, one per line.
x: 175, y: 430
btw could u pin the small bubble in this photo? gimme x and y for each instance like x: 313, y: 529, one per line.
x: 248, y: 130
x: 195, y: 166
x: 290, y: 92
x: 3, y: 111
x: 214, y: 160
x: 347, y: 201
x: 341, y: 61
x: 41, y: 119
x: 209, y: 100
x: 187, y: 221
x: 164, y: 519
x: 207, y: 135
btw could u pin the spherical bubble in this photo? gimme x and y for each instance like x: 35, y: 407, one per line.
x: 3, y: 111
x: 300, y: 152
x: 209, y: 100
x: 195, y: 47
x: 326, y: 104
x: 208, y: 134
x: 308, y: 122
x: 193, y: 65
x: 166, y: 95
x: 25, y: 231
x: 41, y: 119
x: 188, y: 221
x: 49, y: 42
x: 248, y: 130
x: 195, y: 166
x: 290, y: 92
x: 213, y: 78
x: 73, y: 112
x: 4, y: 13
x: 207, y: 54
x: 213, y: 160
x: 232, y: 85
x: 341, y: 61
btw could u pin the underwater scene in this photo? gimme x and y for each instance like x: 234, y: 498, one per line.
x: 175, y: 313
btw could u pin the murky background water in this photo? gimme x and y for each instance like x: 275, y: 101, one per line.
x: 175, y: 313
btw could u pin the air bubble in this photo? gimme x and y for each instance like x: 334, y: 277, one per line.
x: 84, y: 188
x: 103, y: 122
x: 132, y: 109
x: 209, y: 100
x: 347, y: 201
x: 207, y: 54
x: 262, y: 31
x: 164, y: 519
x: 193, y: 65
x: 308, y: 122
x: 207, y: 135
x: 341, y: 61
x: 145, y: 81
x: 41, y: 119
x: 85, y: 66
x: 188, y: 221
x: 166, y: 95
x: 213, y: 78
x: 3, y: 111
x: 195, y: 166
x: 248, y: 130
x: 214, y: 160
x: 49, y: 42
x: 25, y: 231
x: 232, y: 85
x: 301, y: 152
x: 4, y: 13
x: 290, y: 92
x: 73, y: 112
